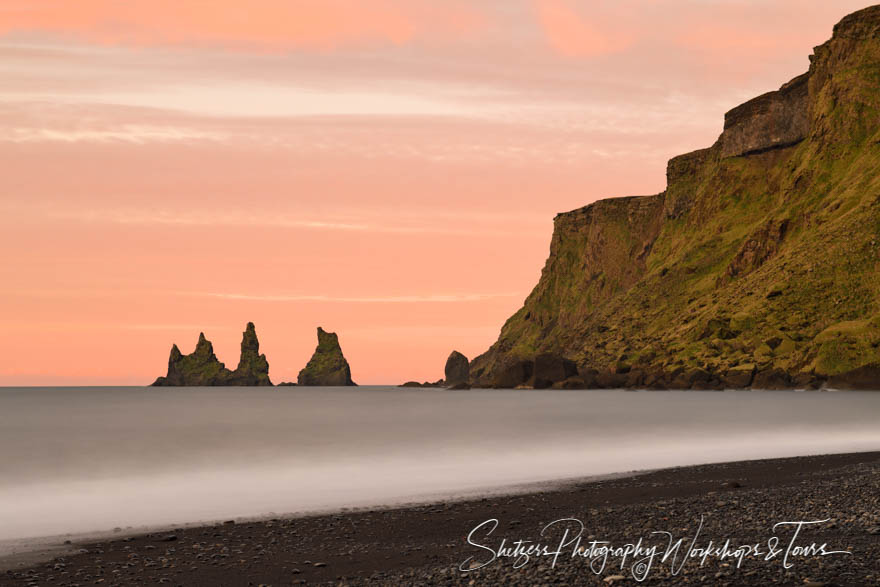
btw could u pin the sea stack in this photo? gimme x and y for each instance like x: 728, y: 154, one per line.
x: 253, y: 368
x: 328, y: 365
x: 199, y: 368
x: 202, y: 368
x: 457, y: 371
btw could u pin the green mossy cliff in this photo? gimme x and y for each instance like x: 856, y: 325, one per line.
x: 202, y: 368
x: 758, y: 266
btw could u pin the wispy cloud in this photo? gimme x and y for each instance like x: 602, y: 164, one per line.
x: 415, y: 226
x: 127, y: 133
x: 405, y: 299
x: 192, y: 218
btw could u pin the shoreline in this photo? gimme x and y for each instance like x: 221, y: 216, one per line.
x: 426, y: 542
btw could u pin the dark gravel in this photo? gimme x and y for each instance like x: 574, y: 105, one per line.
x: 425, y: 545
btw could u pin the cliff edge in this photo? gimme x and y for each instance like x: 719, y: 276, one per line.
x: 758, y: 266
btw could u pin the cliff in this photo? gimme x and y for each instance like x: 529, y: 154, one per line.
x: 759, y: 265
x: 328, y: 365
x: 202, y: 368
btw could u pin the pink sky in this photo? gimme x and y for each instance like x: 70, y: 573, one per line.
x: 388, y: 169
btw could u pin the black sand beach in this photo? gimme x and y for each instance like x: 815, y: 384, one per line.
x: 427, y: 544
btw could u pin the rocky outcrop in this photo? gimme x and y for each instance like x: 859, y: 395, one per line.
x: 438, y: 383
x: 772, y: 120
x: 866, y: 377
x: 199, y: 368
x: 328, y: 366
x: 457, y: 369
x: 202, y: 368
x: 760, y: 246
x: 253, y: 368
x: 737, y: 274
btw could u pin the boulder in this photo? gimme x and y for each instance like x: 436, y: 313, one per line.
x: 459, y: 385
x: 514, y: 373
x: 739, y: 377
x: 771, y: 379
x: 693, y: 379
x: 573, y: 382
x: 457, y: 369
x: 328, y: 365
x: 864, y: 377
x: 808, y: 381
x: 589, y: 375
x: 611, y: 380
x: 655, y: 379
x: 550, y: 368
x: 635, y: 377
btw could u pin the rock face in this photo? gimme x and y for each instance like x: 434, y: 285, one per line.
x: 736, y: 275
x: 202, y: 368
x: 775, y: 119
x: 457, y: 369
x: 327, y: 365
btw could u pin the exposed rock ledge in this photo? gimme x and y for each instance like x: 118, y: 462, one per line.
x: 772, y: 120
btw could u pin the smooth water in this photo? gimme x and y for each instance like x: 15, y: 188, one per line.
x: 90, y: 459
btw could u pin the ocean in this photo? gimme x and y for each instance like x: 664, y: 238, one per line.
x: 80, y: 460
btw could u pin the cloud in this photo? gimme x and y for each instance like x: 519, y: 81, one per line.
x: 256, y: 24
x: 127, y: 133
x: 409, y: 299
x: 571, y: 35
x: 199, y: 218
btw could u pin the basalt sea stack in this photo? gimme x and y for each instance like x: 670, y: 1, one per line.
x: 457, y: 371
x: 202, y: 368
x: 758, y: 266
x: 253, y: 368
x: 327, y: 365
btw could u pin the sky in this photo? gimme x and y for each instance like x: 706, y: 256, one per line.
x: 386, y: 169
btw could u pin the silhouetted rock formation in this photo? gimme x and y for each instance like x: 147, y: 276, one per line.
x: 457, y: 369
x: 327, y: 365
x: 253, y: 368
x: 438, y: 383
x: 202, y: 368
